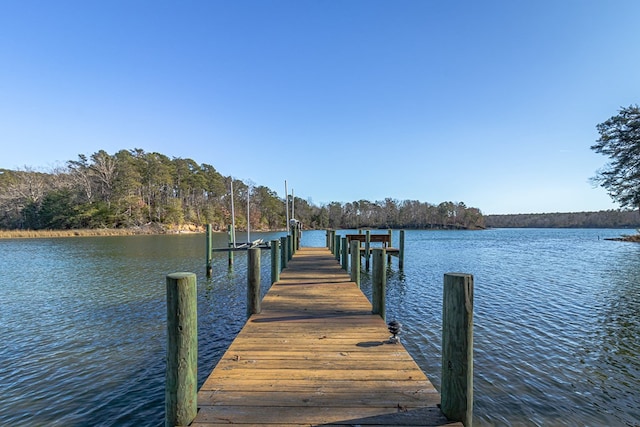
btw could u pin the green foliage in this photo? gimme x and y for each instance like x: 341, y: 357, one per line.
x: 131, y: 188
x: 58, y: 211
x: 620, y: 142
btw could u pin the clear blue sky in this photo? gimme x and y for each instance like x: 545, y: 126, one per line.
x: 491, y: 103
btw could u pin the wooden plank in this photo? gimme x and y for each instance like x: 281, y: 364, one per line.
x: 337, y: 387
x: 323, y: 398
x: 316, y: 355
x: 279, y: 415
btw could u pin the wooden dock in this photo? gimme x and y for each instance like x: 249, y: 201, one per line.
x: 315, y: 355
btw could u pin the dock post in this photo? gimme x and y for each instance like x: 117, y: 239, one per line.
x: 208, y: 250
x: 355, y: 261
x: 379, y: 282
x: 336, y: 243
x: 293, y: 240
x: 284, y: 255
x: 181, y: 401
x: 457, y: 347
x: 230, y: 245
x: 334, y: 235
x: 401, y: 251
x: 390, y: 245
x: 289, y: 247
x: 275, y: 261
x: 253, y: 282
x: 345, y: 254
x: 367, y: 250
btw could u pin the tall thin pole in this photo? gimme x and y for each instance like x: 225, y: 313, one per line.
x: 286, y: 204
x: 248, y: 216
x: 293, y: 205
x: 233, y: 218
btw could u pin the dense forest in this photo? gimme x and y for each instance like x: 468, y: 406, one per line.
x: 601, y: 219
x: 133, y: 188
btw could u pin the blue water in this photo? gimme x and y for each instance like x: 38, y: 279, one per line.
x: 556, y: 322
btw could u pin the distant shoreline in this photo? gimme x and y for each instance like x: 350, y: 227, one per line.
x: 155, y: 229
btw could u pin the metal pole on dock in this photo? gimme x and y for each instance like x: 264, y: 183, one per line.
x: 355, y: 261
x: 284, y: 249
x: 345, y: 254
x: 401, y: 251
x: 379, y: 282
x: 275, y: 261
x: 209, y: 250
x: 286, y: 203
x: 457, y: 347
x: 253, y: 281
x: 181, y: 401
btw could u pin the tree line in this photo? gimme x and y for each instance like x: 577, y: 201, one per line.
x: 600, y: 219
x: 133, y: 188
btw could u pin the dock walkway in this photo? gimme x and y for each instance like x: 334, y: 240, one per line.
x: 314, y: 356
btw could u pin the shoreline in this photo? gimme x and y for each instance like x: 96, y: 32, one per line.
x: 147, y: 229
x: 633, y: 238
x: 156, y: 229
x: 144, y: 230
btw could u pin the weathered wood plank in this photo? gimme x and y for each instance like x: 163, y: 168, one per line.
x: 342, y: 386
x: 316, y: 355
x: 320, y: 398
x: 279, y: 415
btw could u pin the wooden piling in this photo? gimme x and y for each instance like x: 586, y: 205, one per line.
x: 290, y: 247
x: 296, y: 239
x: 345, y: 254
x: 284, y: 256
x: 355, y: 262
x: 230, y: 245
x: 390, y: 245
x: 181, y: 404
x: 336, y: 243
x: 457, y: 347
x: 367, y: 250
x: 209, y: 250
x: 379, y: 282
x: 275, y: 261
x: 401, y: 251
x: 253, y: 281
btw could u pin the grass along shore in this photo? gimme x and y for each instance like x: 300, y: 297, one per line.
x: 132, y: 231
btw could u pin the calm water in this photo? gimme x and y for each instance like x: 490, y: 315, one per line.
x: 556, y: 322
